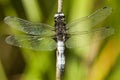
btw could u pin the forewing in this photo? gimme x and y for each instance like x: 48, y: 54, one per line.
x: 89, y: 21
x: 29, y: 27
x: 84, y: 38
x: 32, y: 42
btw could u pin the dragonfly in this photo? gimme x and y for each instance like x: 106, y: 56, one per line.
x: 43, y: 37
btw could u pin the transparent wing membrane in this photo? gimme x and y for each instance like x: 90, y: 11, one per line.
x: 89, y: 21
x: 85, y: 37
x: 29, y: 27
x: 39, y: 36
x: 32, y: 42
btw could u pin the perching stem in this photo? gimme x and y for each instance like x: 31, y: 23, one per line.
x: 58, y: 72
x: 60, y: 5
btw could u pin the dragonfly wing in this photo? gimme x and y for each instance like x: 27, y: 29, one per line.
x: 32, y: 42
x: 85, y: 37
x: 89, y: 21
x: 29, y: 27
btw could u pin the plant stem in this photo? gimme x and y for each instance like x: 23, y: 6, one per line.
x: 60, y: 5
x: 58, y: 72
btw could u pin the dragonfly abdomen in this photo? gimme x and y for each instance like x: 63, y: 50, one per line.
x: 61, y: 57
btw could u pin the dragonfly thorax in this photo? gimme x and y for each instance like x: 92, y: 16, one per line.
x: 60, y: 28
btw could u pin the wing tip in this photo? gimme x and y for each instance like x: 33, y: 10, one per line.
x: 6, y: 19
x: 7, y: 39
x: 107, y: 8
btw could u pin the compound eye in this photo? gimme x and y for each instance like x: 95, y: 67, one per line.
x: 59, y: 15
x: 56, y: 15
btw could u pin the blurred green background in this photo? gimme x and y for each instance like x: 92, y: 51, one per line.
x: 102, y: 61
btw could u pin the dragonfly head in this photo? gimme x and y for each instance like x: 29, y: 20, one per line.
x: 59, y: 17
